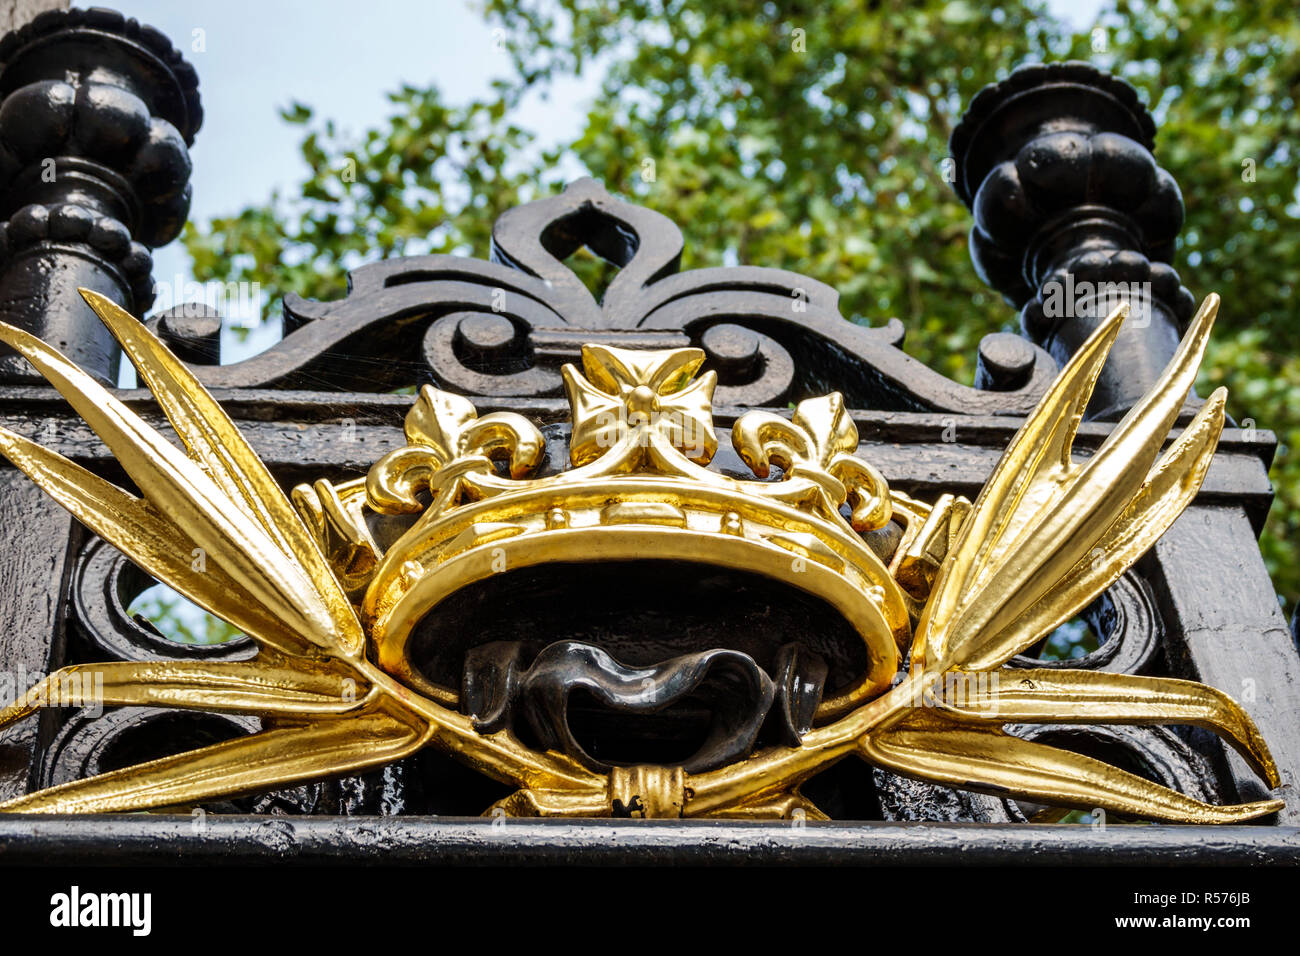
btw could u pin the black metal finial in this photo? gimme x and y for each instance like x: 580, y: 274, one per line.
x: 1072, y: 214
x: 96, y: 116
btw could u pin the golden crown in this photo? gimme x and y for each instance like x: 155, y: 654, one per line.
x: 638, y: 488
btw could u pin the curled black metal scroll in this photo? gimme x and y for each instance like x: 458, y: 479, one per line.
x: 92, y: 740
x: 504, y: 328
x: 104, y: 586
x: 1156, y: 753
x: 1127, y: 620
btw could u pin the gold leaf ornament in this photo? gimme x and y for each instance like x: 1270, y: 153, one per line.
x: 815, y: 450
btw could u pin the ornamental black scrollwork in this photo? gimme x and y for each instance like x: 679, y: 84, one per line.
x: 504, y: 327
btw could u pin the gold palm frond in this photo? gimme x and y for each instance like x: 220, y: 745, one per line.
x: 1047, y: 534
x: 262, y: 572
x: 1045, y: 537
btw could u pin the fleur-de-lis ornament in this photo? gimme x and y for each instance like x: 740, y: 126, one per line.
x: 815, y: 450
x: 442, y: 428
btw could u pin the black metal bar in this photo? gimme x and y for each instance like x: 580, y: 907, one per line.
x: 157, y: 839
x: 32, y: 585
x: 1224, y: 622
x: 337, y: 436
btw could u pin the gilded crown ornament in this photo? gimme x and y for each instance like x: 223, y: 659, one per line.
x: 342, y: 587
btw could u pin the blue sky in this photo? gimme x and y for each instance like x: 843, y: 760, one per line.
x: 339, y: 57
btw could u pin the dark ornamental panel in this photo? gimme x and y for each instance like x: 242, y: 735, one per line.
x: 504, y: 328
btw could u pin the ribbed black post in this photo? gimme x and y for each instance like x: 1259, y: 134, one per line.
x: 1072, y: 214
x: 96, y: 116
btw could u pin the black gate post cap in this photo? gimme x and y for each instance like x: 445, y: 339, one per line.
x: 1070, y: 206
x: 97, y: 114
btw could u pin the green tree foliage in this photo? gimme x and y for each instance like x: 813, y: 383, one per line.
x: 173, y: 616
x: 812, y: 136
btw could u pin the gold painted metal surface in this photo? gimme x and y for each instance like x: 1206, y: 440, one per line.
x: 332, y: 610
